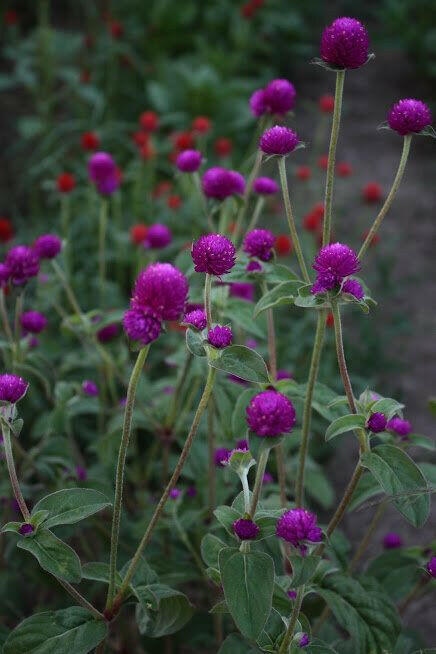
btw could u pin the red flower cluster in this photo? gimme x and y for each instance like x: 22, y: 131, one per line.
x: 344, y: 169
x: 312, y: 221
x: 304, y: 173
x: 323, y: 161
x: 138, y: 233
x: 10, y: 17
x: 375, y: 239
x: 223, y: 147
x: 6, y: 230
x: 90, y: 141
x: 201, y: 124
x: 116, y: 29
x: 372, y: 192
x: 283, y: 245
x: 248, y: 9
x: 162, y: 188
x: 149, y: 121
x: 174, y: 202
x: 65, y: 182
x: 326, y: 103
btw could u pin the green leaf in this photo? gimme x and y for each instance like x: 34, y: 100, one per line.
x: 161, y: 610
x: 97, y: 571
x: 241, y: 314
x: 278, y: 273
x: 73, y: 630
x: 226, y: 515
x: 417, y: 440
x: 398, y: 475
x: 53, y: 555
x: 388, y: 406
x: 244, y: 363
x: 397, y: 571
x: 366, y: 488
x: 283, y: 293
x: 71, y: 505
x: 248, y: 582
x: 344, y: 424
x: 11, y: 527
x: 303, y: 569
x: 239, y: 417
x: 194, y: 343
x: 210, y: 548
x: 236, y: 644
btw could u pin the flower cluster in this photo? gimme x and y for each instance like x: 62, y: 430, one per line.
x: 333, y: 264
x: 278, y: 140
x: 345, y: 43
x: 12, y: 388
x: 103, y: 172
x: 298, y: 526
x: 220, y: 183
x: 278, y: 97
x: 270, y: 413
x: 213, y: 254
x: 259, y: 243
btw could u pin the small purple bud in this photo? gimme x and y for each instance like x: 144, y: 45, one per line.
x: 196, y: 318
x: 23, y: 263
x: 257, y: 103
x: 265, y: 186
x: 220, y: 183
x: 106, y: 334
x: 245, y: 529
x: 399, y: 426
x: 242, y: 444
x: 253, y: 266
x: 12, y: 388
x: 81, y: 473
x: 90, y: 388
x: 220, y: 336
x: 175, y: 493
x: 242, y: 290
x: 292, y: 594
x: 353, y: 287
x: 191, y: 491
x: 376, y: 422
x: 279, y: 96
x: 284, y: 374
x: 431, y: 567
x: 259, y: 243
x: 392, y: 541
x: 221, y: 456
x: 298, y: 525
x: 267, y: 478
x: 26, y: 529
x: 278, y: 140
x: 158, y: 236
x: 33, y: 322
x: 47, y: 246
x: 304, y: 641
x: 189, y: 161
x: 409, y: 116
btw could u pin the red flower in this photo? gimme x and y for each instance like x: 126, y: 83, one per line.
x: 138, y: 233
x: 372, y: 192
x: 116, y: 29
x: 201, y: 124
x: 257, y: 3
x: 162, y: 188
x: 223, y: 147
x: 119, y: 175
x: 147, y: 151
x: 85, y: 76
x: 65, y: 182
x: 90, y: 141
x: 283, y: 245
x: 6, y: 230
x: 149, y: 120
x: 375, y: 239
x: 10, y: 17
x: 174, y: 202
x: 323, y: 161
x: 329, y: 320
x: 183, y: 140
x: 304, y: 173
x: 344, y: 169
x: 140, y: 138
x: 248, y: 10
x: 313, y: 220
x: 327, y: 103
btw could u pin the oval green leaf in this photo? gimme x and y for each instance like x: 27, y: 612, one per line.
x: 71, y: 505
x: 344, y: 424
x: 244, y: 363
x: 53, y: 555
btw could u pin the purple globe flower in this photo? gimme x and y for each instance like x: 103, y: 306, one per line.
x: 253, y: 266
x: 141, y: 327
x: 304, y: 640
x: 242, y: 290
x: 376, y: 422
x: 242, y: 445
x: 108, y: 333
x: 345, y: 43
x: 220, y: 336
x: 196, y: 318
x: 265, y: 186
x: 267, y: 478
x: 353, y: 287
x: 47, y: 246
x: 175, y: 493
x: 257, y: 103
x: 90, y: 388
x: 278, y: 140
x: 158, y: 236
x: 279, y: 96
x: 431, y: 566
x: 259, y: 243
x: 5, y: 273
x: 245, y: 529
x: 12, y: 388
x: 101, y: 166
x: 108, y: 186
x: 23, y: 264
x: 292, y: 594
x: 399, y: 426
x: 26, y: 529
x: 221, y: 456
x: 270, y: 413
x: 220, y: 183
x: 81, y: 473
x: 408, y: 116
x: 333, y: 263
x: 284, y: 374
x: 213, y: 254
x: 189, y: 161
x: 191, y: 491
x: 33, y: 322
x: 297, y: 526
x: 160, y: 290
x: 392, y: 541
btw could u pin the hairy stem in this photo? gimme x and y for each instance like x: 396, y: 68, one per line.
x: 207, y: 300
x: 80, y: 599
x: 13, y: 473
x: 211, y: 447
x: 284, y: 647
x: 368, y: 535
x: 172, y: 413
x: 263, y: 460
x: 248, y: 188
x: 102, y: 228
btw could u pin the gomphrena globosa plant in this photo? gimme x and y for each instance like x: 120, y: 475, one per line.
x: 196, y: 467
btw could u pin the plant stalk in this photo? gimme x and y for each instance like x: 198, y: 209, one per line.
x: 284, y: 647
x: 207, y: 300
x: 102, y: 229
x: 263, y: 460
x: 13, y: 473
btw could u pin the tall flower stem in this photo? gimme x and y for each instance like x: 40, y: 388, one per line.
x: 392, y: 193
x: 307, y: 411
x: 172, y: 413
x: 102, y: 228
x: 17, y: 326
x: 368, y: 535
x: 330, y: 177
x: 256, y: 213
x: 13, y: 473
x: 284, y: 647
x: 263, y: 460
x: 207, y: 299
x: 65, y: 226
x: 119, y: 479
x: 291, y: 220
x: 5, y: 320
x: 211, y: 451
x: 246, y: 197
x: 172, y: 482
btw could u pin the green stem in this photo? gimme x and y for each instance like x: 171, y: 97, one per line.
x: 102, y: 228
x: 330, y: 177
x: 172, y: 482
x: 392, y: 193
x: 80, y: 599
x: 263, y: 460
x: 246, y: 492
x: 307, y: 411
x: 284, y: 647
x: 5, y: 320
x: 368, y: 535
x: 170, y: 420
x: 13, y: 473
x: 119, y: 479
x: 290, y: 218
x: 256, y: 213
x: 68, y: 291
x: 207, y: 300
x: 211, y: 447
x: 17, y: 326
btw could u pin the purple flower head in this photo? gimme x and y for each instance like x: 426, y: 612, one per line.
x: 213, y: 254
x: 26, y: 529
x: 196, y: 318
x: 259, y: 243
x: 108, y: 186
x: 242, y: 290
x: 141, y: 327
x: 158, y: 236
x: 253, y: 266
x: 175, y: 493
x: 392, y: 541
x: 47, y: 246
x: 12, y: 388
x: 279, y: 96
x: 237, y: 380
x: 376, y: 422
x: 431, y: 566
x: 245, y: 529
x: 345, y: 43
x: 408, y: 116
x: 33, y: 322
x: 101, y: 166
x: 265, y: 186
x: 23, y: 264
x: 168, y: 390
x: 270, y: 413
x: 292, y: 594
x: 33, y: 342
x: 106, y: 334
x: 81, y: 473
x: 191, y: 491
x: 160, y: 290
x: 220, y: 183
x: 333, y: 263
x: 297, y: 526
x: 220, y: 336
x: 399, y: 426
x: 353, y: 287
x: 267, y: 478
x: 90, y: 388
x: 189, y: 161
x: 5, y: 273
x: 221, y: 456
x: 278, y: 140
x: 258, y: 103
x: 242, y: 445
x: 284, y: 374
x: 304, y: 640
x: 251, y: 343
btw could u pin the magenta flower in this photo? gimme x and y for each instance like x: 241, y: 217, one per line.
x: 265, y: 186
x: 220, y: 183
x: 409, y: 116
x: 304, y: 640
x: 23, y: 263
x: 333, y: 263
x: 292, y: 594
x: 12, y: 388
x: 81, y: 473
x: 5, y: 273
x: 158, y: 236
x: 399, y: 426
x: 103, y: 172
x: 108, y: 333
x: 392, y: 541
x: 284, y: 374
x: 213, y: 254
x: 33, y: 322
x: 220, y: 336
x: 257, y: 103
x: 259, y: 243
x: 279, y: 96
x: 431, y: 566
x: 196, y: 318
x: 270, y: 413
x: 141, y: 327
x: 47, y: 246
x: 242, y: 445
x: 297, y: 526
x: 189, y: 161
x: 221, y: 456
x: 175, y: 493
x: 160, y: 290
x: 90, y: 388
x: 267, y: 478
x: 253, y: 266
x: 26, y: 529
x: 245, y: 529
x: 278, y: 140
x: 345, y: 43
x: 242, y: 290
x: 353, y: 287
x: 376, y: 422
